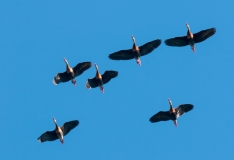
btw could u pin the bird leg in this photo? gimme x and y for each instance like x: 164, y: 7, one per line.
x: 175, y: 122
x: 138, y: 61
x: 102, y: 89
x: 62, y: 141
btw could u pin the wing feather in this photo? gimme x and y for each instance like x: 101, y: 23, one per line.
x: 160, y: 116
x: 183, y: 108
x: 81, y: 67
x: 204, y: 34
x: 68, y: 126
x: 48, y: 136
x: 149, y: 47
x: 177, y: 41
x: 122, y: 55
x: 108, y: 75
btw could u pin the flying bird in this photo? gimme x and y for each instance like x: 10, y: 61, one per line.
x: 100, y: 80
x: 191, y: 38
x: 136, y: 52
x: 71, y: 73
x: 59, y: 132
x: 173, y: 113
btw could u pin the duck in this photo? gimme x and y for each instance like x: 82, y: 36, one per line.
x: 173, y: 113
x: 190, y: 38
x: 136, y: 52
x: 58, y: 132
x: 71, y: 73
x: 100, y: 80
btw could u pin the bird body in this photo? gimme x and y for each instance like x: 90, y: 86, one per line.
x: 100, y: 80
x: 173, y: 113
x: 136, y: 52
x: 190, y: 38
x: 71, y: 73
x: 58, y: 132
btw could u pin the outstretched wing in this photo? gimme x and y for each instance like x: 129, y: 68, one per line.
x: 149, y: 47
x: 68, y: 126
x: 92, y: 83
x: 108, y: 75
x: 160, y: 116
x: 81, y: 67
x: 61, y: 77
x: 183, y: 108
x: 48, y: 136
x: 177, y: 41
x: 122, y: 55
x: 203, y: 35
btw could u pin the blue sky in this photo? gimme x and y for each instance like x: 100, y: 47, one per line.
x: 36, y: 36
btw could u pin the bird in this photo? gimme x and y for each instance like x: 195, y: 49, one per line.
x: 100, y: 80
x: 136, y: 52
x: 191, y: 38
x: 173, y: 113
x: 71, y: 73
x: 59, y: 132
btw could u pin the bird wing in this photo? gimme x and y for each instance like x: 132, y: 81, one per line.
x: 160, y: 116
x: 61, y: 77
x: 203, y: 35
x: 108, y: 75
x: 68, y: 126
x: 92, y: 82
x: 177, y: 41
x: 81, y: 67
x: 48, y: 136
x: 183, y: 108
x: 149, y: 47
x: 122, y: 55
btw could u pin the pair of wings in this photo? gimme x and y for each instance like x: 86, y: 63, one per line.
x: 144, y: 50
x: 78, y: 70
x: 165, y: 115
x: 51, y: 135
x: 198, y: 37
x: 106, y: 77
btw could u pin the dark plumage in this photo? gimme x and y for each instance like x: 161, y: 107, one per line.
x: 71, y: 73
x: 136, y: 52
x: 100, y: 80
x: 191, y: 39
x: 173, y: 114
x: 59, y: 132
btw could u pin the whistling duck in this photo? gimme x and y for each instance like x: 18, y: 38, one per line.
x: 59, y: 132
x: 71, y: 73
x: 173, y: 113
x: 136, y: 51
x: 99, y: 79
x: 191, y: 38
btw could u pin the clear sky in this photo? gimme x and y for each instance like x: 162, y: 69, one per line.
x: 35, y: 36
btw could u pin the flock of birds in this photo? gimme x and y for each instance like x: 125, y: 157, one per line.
x: 99, y: 80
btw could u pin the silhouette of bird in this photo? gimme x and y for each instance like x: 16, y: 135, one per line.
x: 136, y: 52
x: 173, y: 113
x: 100, y: 80
x: 191, y: 38
x: 71, y: 73
x: 59, y: 132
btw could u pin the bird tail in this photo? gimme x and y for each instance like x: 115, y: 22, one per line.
x: 87, y: 85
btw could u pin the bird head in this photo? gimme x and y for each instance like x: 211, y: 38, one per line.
x: 133, y: 39
x: 54, y: 120
x: 169, y: 101
x: 187, y: 25
x: 96, y: 66
x: 65, y: 61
